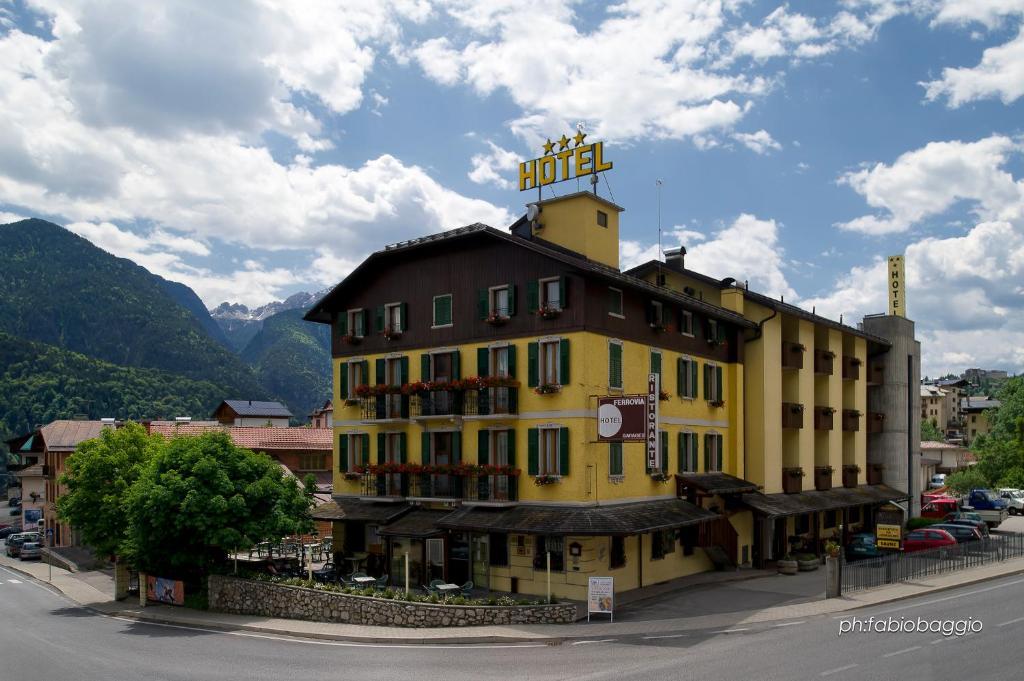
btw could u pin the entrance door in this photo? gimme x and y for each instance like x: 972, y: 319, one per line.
x: 481, y: 561
x: 499, y: 367
x: 499, y: 445
x: 393, y: 371
x: 442, y: 374
x: 442, y: 456
x: 458, y: 558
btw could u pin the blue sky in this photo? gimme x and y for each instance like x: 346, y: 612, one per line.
x: 255, y: 149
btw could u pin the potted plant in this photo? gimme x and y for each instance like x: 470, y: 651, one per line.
x: 548, y: 311
x: 496, y: 319
x: 805, y: 562
x: 547, y: 388
x: 787, y: 565
x: 658, y: 326
x: 663, y: 395
x: 659, y: 476
x: 391, y: 333
x: 546, y: 479
x: 832, y: 548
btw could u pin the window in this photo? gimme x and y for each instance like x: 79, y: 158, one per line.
x: 657, y: 314
x: 688, y: 537
x: 602, y: 219
x: 353, y: 451
x: 615, y: 459
x: 549, y: 363
x: 393, y: 318
x: 712, y: 452
x: 499, y: 301
x: 615, y: 302
x: 615, y: 365
x: 498, y: 549
x: 551, y: 294
x: 313, y: 462
x: 686, y: 322
x: 357, y: 323
x: 663, y: 543
x: 553, y: 545
x: 443, y: 310
x: 802, y: 523
x: 548, y: 452
x: 617, y: 553
x: 713, y: 383
x: 830, y: 520
x: 357, y: 374
x: 686, y: 376
x: 656, y: 367
x: 687, y: 452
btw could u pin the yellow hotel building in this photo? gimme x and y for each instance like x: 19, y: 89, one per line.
x: 467, y: 366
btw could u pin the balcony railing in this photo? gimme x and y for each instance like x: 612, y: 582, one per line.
x: 823, y: 418
x: 792, y: 355
x: 823, y: 362
x: 381, y: 407
x: 851, y: 368
x: 492, y: 401
x: 792, y: 415
x: 438, y: 403
x: 851, y: 420
x: 496, y: 488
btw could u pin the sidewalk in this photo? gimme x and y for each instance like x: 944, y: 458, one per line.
x: 81, y: 588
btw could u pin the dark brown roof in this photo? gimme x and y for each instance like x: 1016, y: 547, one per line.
x: 618, y: 519
x: 357, y: 509
x: 317, y: 312
x: 782, y: 504
x: 417, y: 524
x: 717, y: 483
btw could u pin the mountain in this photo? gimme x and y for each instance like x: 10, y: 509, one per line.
x: 188, y: 299
x: 41, y: 382
x: 59, y: 289
x: 292, y: 358
x: 239, y: 324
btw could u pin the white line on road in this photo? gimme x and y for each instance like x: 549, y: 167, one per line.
x: 666, y: 636
x: 900, y: 652
x: 789, y: 624
x: 731, y: 631
x: 1004, y: 624
x: 14, y: 581
x: 937, y: 641
x: 939, y: 600
x: 830, y: 672
x: 602, y: 640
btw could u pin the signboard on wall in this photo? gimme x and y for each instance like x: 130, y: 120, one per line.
x: 653, y: 441
x: 601, y: 596
x: 163, y: 590
x: 888, y: 527
x: 897, y: 287
x: 622, y: 418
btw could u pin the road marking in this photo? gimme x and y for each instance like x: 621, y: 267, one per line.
x: 937, y: 641
x: 602, y: 640
x: 830, y: 672
x: 938, y: 600
x: 900, y: 652
x: 14, y: 581
x: 731, y: 631
x: 789, y: 624
x: 1019, y: 619
x: 666, y: 636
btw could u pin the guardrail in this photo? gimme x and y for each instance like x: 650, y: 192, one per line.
x: 904, y: 567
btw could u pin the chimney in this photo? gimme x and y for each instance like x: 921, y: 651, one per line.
x: 674, y: 258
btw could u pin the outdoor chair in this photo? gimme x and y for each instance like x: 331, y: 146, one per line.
x: 434, y: 583
x: 427, y: 590
x: 382, y: 583
x: 466, y: 588
x: 358, y: 574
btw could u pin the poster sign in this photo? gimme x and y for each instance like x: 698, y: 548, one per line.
x: 653, y: 441
x: 163, y: 590
x: 622, y: 418
x: 888, y: 543
x: 601, y: 596
x: 897, y: 287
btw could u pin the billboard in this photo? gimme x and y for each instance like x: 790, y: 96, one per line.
x: 622, y: 418
x: 163, y: 590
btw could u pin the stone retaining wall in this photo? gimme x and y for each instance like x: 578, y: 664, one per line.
x: 250, y: 597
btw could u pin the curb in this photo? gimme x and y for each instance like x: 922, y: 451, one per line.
x: 31, y: 576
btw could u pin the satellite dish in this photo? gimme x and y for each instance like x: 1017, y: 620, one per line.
x: 532, y: 211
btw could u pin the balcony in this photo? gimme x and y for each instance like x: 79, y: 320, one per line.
x: 875, y: 473
x: 792, y: 480
x: 876, y: 373
x: 851, y: 368
x: 823, y: 418
x: 851, y: 473
x: 823, y: 360
x: 792, y: 415
x: 851, y: 420
x: 792, y: 355
x: 438, y: 403
x: 876, y: 421
x: 500, y: 401
x: 823, y: 478
x: 474, y: 487
x: 384, y: 407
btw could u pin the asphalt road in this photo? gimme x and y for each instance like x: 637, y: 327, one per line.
x: 47, y: 637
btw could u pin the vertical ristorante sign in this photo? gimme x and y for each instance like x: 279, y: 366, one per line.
x: 653, y: 391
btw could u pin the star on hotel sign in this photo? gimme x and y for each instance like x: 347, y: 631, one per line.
x: 563, y: 143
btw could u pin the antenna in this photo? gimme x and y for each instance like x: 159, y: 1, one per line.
x: 661, y: 253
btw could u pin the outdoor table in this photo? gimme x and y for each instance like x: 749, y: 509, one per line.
x: 364, y: 580
x: 358, y: 561
x: 448, y: 588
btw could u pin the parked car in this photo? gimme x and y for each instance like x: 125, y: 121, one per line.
x: 327, y: 573
x: 987, y: 504
x: 938, y: 480
x: 1014, y: 500
x: 927, y: 538
x: 31, y: 549
x: 980, y: 525
x: 963, y: 515
x: 861, y: 546
x: 962, y: 533
x: 8, y: 531
x: 14, y: 542
x: 937, y: 507
x: 14, y: 501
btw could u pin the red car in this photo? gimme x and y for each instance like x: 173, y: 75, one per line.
x: 927, y: 538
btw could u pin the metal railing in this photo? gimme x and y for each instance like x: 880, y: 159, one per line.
x: 492, y: 401
x: 904, y: 567
x: 437, y: 403
x: 496, y: 488
x: 384, y: 407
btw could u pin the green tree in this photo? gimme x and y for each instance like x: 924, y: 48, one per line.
x: 98, y: 476
x: 200, y: 497
x: 966, y: 480
x: 930, y: 432
x: 309, y: 483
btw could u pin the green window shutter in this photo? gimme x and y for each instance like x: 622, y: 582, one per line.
x: 446, y: 306
x: 483, y: 304
x: 533, y: 296
x: 681, y: 376
x: 563, y: 287
x: 483, y: 447
x: 563, y: 451
x: 707, y: 382
x: 483, y: 357
x: 718, y: 382
x: 343, y: 380
x: 343, y: 453
x: 532, y: 451
x: 425, y: 367
x: 563, y: 362
x: 615, y: 458
x: 380, y: 370
x: 366, y: 448
x: 425, y: 447
x: 404, y: 369
x: 656, y: 363
x: 511, y: 435
x: 364, y: 369
x: 365, y: 314
x: 378, y: 314
x: 456, y: 364
x: 512, y: 361
x: 511, y: 299
x: 666, y: 315
x: 721, y: 333
x: 664, y: 451
x: 403, y: 455
x: 533, y: 370
x: 615, y: 365
x: 343, y: 324
x: 693, y: 378
x: 457, y: 447
x: 681, y: 453
x: 707, y: 452
x: 381, y: 447
x: 403, y: 316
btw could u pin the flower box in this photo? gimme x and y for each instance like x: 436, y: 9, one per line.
x: 351, y: 339
x: 495, y: 319
x: 823, y: 478
x: 547, y: 388
x: 658, y: 476
x: 548, y: 312
x: 541, y: 480
x: 717, y: 403
x: 850, y: 474
x: 792, y: 480
x: 391, y: 334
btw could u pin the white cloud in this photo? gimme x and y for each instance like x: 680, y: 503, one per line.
x: 760, y: 142
x: 999, y: 74
x: 928, y: 181
x: 991, y: 13
x: 495, y: 167
x: 7, y: 218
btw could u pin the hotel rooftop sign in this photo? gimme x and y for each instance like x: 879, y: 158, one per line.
x: 564, y: 164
